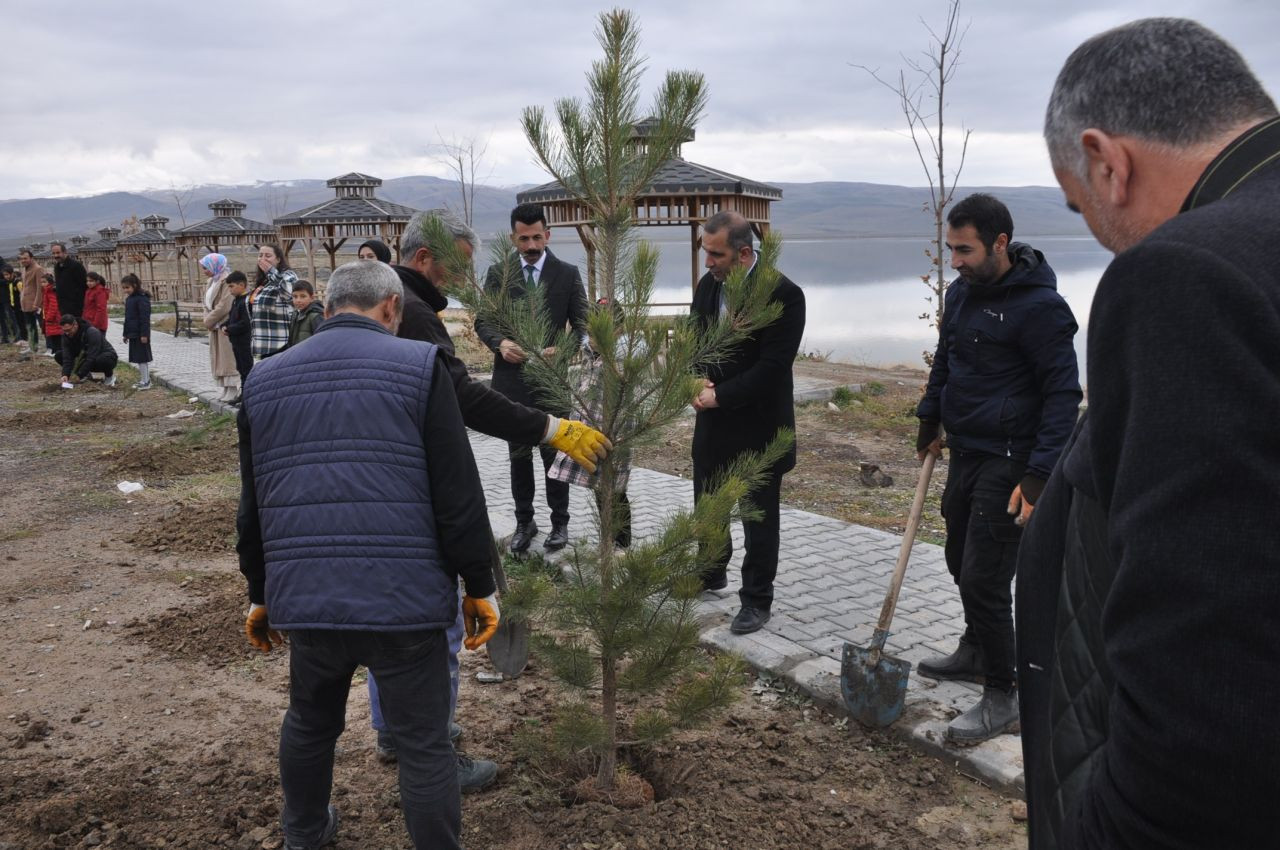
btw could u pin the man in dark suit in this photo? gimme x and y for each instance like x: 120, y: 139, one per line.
x: 559, y: 285
x: 71, y: 281
x: 1149, y: 578
x: 746, y: 398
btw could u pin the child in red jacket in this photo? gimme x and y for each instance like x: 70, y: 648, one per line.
x: 52, y: 318
x: 95, y: 301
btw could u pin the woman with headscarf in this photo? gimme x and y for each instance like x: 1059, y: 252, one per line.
x: 217, y: 304
x: 373, y: 249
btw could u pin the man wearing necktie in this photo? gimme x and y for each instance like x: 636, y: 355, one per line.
x: 559, y: 285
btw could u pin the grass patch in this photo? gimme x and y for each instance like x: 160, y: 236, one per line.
x: 17, y: 534
x: 210, y: 427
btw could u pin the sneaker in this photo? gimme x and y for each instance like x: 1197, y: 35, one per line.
x: 50, y: 354
x: 109, y: 382
x: 966, y: 664
x: 326, y: 837
x: 995, y: 714
x: 141, y: 387
x: 475, y: 774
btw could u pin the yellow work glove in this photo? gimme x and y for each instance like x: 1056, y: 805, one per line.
x: 583, y: 444
x: 480, y: 618
x: 259, y: 631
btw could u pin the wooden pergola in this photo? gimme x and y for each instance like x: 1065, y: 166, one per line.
x: 354, y: 213
x: 78, y: 242
x: 102, y: 251
x: 151, y: 242
x: 39, y: 250
x: 682, y: 193
x: 227, y: 229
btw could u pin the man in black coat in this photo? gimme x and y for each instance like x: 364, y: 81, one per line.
x: 1149, y: 581
x: 747, y: 397
x: 1005, y: 385
x: 563, y: 302
x: 83, y: 342
x: 70, y: 280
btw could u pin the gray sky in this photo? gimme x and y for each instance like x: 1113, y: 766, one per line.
x: 131, y: 95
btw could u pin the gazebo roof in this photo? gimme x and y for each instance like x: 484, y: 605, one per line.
x: 676, y: 177
x: 155, y: 234
x: 226, y: 223
x: 105, y: 244
x: 354, y: 204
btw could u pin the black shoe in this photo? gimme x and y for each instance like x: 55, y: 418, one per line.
x: 386, y: 748
x: 714, y: 581
x: 558, y: 538
x: 475, y: 774
x: 995, y: 714
x: 749, y: 620
x: 326, y: 837
x: 525, y: 532
x: 966, y: 664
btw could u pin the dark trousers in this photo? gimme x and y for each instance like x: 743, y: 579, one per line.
x: 243, y: 353
x: 10, y: 316
x: 83, y: 366
x: 413, y: 685
x: 33, y: 330
x: 54, y: 343
x: 522, y: 486
x: 982, y: 553
x: 621, y: 517
x: 761, y: 539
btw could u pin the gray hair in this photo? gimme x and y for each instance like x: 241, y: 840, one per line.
x: 736, y: 223
x: 363, y: 284
x: 415, y: 238
x: 1165, y: 80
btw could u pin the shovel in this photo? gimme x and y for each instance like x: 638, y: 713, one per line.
x: 874, y: 684
x: 509, y: 646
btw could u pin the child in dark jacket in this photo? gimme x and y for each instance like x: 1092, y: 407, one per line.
x: 95, y: 301
x: 239, y: 325
x: 308, y: 312
x: 137, y: 328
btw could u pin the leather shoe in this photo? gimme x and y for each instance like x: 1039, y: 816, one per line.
x: 558, y: 538
x: 749, y: 620
x: 714, y: 581
x: 995, y: 714
x: 966, y: 664
x: 327, y: 836
x: 525, y: 532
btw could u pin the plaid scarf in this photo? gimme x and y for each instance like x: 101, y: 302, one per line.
x: 564, y: 468
x: 272, y: 312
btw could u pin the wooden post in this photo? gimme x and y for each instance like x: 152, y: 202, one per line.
x: 695, y: 244
x: 587, y: 235
x: 311, y: 260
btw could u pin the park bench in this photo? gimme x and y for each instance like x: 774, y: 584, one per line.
x: 184, y: 313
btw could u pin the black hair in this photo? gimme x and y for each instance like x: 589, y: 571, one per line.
x: 131, y: 281
x: 986, y: 213
x: 102, y: 281
x: 528, y: 214
x: 237, y: 277
x: 304, y: 286
x: 67, y: 319
x: 282, y: 265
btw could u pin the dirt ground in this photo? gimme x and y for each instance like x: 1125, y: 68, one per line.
x: 135, y: 715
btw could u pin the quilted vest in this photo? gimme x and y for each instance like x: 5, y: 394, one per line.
x: 340, y: 471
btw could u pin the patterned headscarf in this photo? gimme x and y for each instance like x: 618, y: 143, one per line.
x: 215, y: 264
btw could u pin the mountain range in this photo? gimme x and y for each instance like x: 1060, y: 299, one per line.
x: 826, y: 210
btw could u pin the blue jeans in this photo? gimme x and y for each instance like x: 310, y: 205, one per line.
x: 413, y: 668
x: 454, y: 634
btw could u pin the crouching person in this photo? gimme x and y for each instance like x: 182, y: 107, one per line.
x: 356, y: 551
x: 84, y: 350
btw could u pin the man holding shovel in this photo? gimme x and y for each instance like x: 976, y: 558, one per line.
x: 1005, y: 385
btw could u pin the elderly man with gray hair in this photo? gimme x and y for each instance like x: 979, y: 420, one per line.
x: 360, y: 508
x: 1149, y: 579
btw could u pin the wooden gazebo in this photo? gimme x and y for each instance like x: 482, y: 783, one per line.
x: 227, y: 229
x: 682, y: 193
x: 102, y: 251
x: 149, y: 243
x: 354, y: 213
x: 78, y: 242
x: 40, y: 251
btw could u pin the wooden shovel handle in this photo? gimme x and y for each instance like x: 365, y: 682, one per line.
x: 908, y: 538
x: 499, y: 575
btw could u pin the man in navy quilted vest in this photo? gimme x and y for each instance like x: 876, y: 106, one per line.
x: 360, y: 508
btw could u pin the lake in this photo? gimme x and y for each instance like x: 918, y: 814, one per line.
x: 863, y: 296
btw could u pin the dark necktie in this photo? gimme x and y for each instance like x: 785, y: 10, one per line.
x: 528, y: 277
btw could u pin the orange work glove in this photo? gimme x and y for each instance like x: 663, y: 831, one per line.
x: 480, y: 618
x: 259, y: 631
x: 583, y: 444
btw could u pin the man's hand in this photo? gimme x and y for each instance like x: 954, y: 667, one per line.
x: 549, y: 352
x: 1024, y: 497
x: 259, y: 631
x: 511, y: 352
x: 706, y: 399
x: 929, y: 439
x: 143, y: 339
x: 480, y: 618
x: 583, y: 444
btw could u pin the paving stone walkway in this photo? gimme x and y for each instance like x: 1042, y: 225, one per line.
x: 830, y: 585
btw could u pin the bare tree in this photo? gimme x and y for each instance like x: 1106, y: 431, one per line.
x: 181, y: 196
x: 921, y: 89
x: 276, y: 199
x: 462, y: 156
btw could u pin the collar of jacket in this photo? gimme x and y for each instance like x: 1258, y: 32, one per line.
x: 421, y: 287
x: 351, y: 320
x: 1254, y: 149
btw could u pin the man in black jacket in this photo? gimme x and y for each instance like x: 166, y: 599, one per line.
x: 1005, y: 385
x: 70, y: 280
x: 1149, y: 583
x: 563, y: 301
x: 746, y: 399
x: 83, y: 342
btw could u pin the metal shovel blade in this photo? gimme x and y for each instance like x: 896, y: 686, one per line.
x: 509, y: 646
x: 873, y: 684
